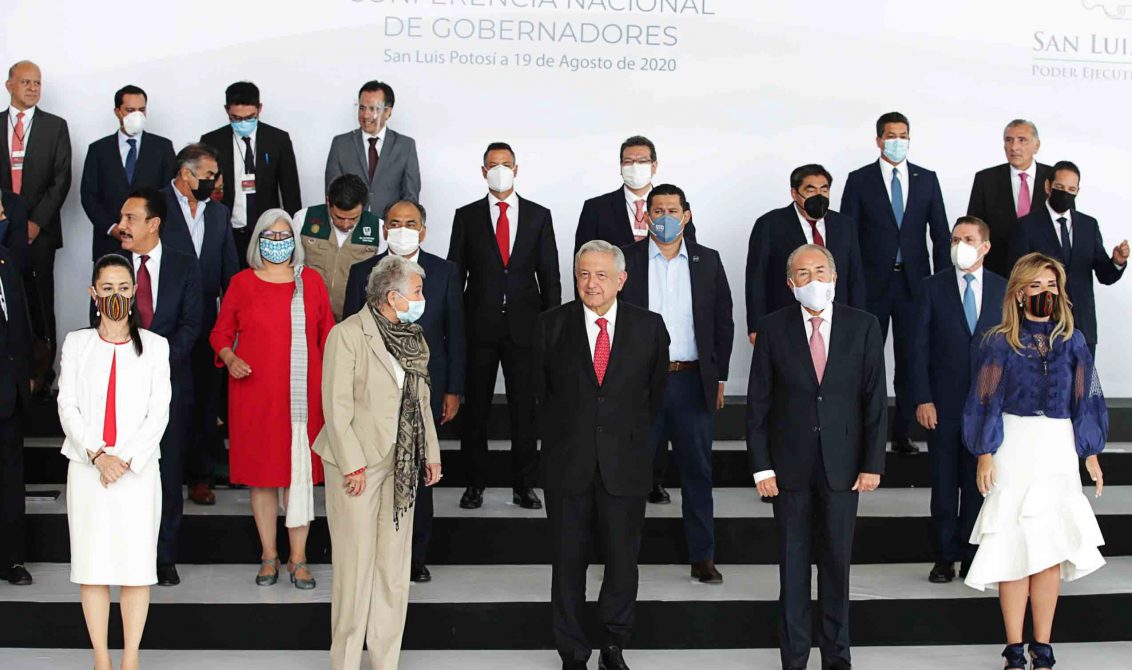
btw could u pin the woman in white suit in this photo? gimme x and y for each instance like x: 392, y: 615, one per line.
x: 114, y: 404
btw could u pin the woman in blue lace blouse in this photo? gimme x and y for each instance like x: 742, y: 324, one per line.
x: 1035, y: 406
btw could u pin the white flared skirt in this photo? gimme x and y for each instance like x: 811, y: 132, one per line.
x: 1037, y: 515
x: 114, y: 529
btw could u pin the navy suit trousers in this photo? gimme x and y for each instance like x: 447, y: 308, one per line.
x: 956, y: 500
x: 899, y: 305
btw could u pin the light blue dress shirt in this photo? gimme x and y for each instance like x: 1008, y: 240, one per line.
x: 670, y: 296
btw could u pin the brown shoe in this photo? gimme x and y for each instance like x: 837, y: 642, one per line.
x: 202, y: 495
x: 705, y: 573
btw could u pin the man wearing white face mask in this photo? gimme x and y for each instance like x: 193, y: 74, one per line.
x: 129, y: 159
x: 955, y: 309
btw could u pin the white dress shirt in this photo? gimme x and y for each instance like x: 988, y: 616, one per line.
x: 124, y: 148
x: 592, y: 329
x: 153, y: 265
x: 825, y: 329
x: 3, y: 301
x: 12, y: 120
x: 196, y: 223
x: 631, y: 205
x: 807, y: 230
x: 239, y: 196
x: 1016, y: 181
x: 901, y: 174
x: 365, y: 149
x: 1054, y: 216
x: 512, y: 215
x: 976, y: 286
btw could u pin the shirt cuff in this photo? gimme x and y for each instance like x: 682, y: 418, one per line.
x: 763, y: 475
x: 1119, y: 266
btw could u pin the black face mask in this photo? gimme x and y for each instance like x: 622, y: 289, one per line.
x: 1042, y: 304
x: 204, y: 189
x: 1061, y: 201
x: 816, y: 206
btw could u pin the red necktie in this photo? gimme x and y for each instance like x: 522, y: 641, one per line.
x: 18, y: 145
x: 372, y: 157
x: 144, y: 297
x: 640, y: 222
x: 110, y: 418
x: 1023, y: 206
x: 817, y: 348
x: 503, y: 234
x: 601, y: 351
x: 818, y: 240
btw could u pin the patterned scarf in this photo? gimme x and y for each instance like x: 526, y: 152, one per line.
x: 405, y: 341
x: 300, y: 504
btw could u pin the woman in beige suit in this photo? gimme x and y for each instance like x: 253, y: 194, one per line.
x: 378, y: 436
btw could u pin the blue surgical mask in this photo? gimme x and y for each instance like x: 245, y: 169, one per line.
x: 666, y: 228
x: 277, y: 251
x: 415, y: 311
x: 896, y: 149
x: 245, y: 127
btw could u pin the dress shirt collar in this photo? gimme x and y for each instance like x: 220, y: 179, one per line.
x: 122, y: 137
x: 1031, y: 171
x: 184, y: 199
x: 803, y: 220
x: 240, y: 140
x: 825, y: 316
x: 1054, y: 216
x: 154, y: 256
x: 13, y: 113
x: 654, y: 249
x: 511, y: 200
x: 592, y: 316
x: 978, y: 275
x: 380, y: 136
x: 886, y: 168
x: 632, y: 198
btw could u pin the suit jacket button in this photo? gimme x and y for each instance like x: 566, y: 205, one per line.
x: 599, y: 429
x: 819, y: 398
x: 817, y: 429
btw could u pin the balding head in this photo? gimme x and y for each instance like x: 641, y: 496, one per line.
x: 23, y: 84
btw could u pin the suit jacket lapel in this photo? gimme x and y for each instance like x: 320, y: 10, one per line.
x: 982, y: 324
x: 840, y: 340
x: 360, y: 154
x: 489, y: 231
x: 524, y: 236
x: 623, y: 337
x: 800, y: 342
x: 1046, y: 232
x: 4, y: 140
x: 581, y: 339
x: 621, y: 234
x: 165, y: 278
x: 881, y: 189
x: 955, y: 303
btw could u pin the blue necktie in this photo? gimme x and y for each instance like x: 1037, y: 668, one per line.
x: 969, y: 310
x: 131, y: 159
x: 897, y: 207
x: 1066, y: 241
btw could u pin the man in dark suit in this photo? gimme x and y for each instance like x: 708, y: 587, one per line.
x: 15, y: 395
x: 599, y: 375
x: 1002, y: 194
x: 116, y: 164
x: 816, y: 406
x: 806, y: 220
x: 443, y: 325
x: 385, y: 159
x: 35, y: 162
x: 168, y: 300
x: 1059, y: 231
x: 621, y: 217
x: 897, y: 205
x: 257, y: 161
x: 503, y: 247
x: 199, y: 226
x: 685, y: 283
x: 956, y: 306
x: 14, y: 228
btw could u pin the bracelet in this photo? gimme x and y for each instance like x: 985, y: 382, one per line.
x: 94, y: 458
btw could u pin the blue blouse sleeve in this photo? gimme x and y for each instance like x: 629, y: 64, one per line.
x: 1087, y: 404
x: 982, y: 415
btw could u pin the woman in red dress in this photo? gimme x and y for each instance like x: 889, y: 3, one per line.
x: 270, y: 334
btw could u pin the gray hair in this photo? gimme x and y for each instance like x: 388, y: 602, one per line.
x: 1022, y: 122
x: 391, y: 274
x: 809, y: 247
x: 267, y: 220
x: 602, y: 247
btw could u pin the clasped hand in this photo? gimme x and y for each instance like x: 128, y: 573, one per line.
x: 110, y: 469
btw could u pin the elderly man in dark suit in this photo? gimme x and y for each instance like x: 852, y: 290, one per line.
x: 15, y: 392
x: 816, y: 418
x: 599, y: 374
x: 443, y: 325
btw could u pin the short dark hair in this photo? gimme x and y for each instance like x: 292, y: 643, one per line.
x: 984, y: 229
x: 128, y: 89
x: 638, y: 141
x: 891, y: 117
x: 1064, y: 165
x: 347, y: 191
x: 154, y: 201
x: 812, y: 170
x: 498, y: 146
x: 373, y: 86
x: 414, y: 203
x: 666, y: 189
x: 241, y: 93
x: 193, y: 153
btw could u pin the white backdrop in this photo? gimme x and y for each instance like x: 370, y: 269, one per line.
x: 752, y: 89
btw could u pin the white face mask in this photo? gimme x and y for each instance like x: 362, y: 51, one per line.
x: 963, y: 255
x: 133, y: 123
x: 500, y: 178
x: 404, y: 241
x: 637, y: 175
x: 817, y: 295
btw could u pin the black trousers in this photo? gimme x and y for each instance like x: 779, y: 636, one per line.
x: 174, y: 444
x: 422, y: 510
x: 956, y: 500
x: 205, y: 449
x: 484, y: 360
x: 833, y: 515
x: 899, y: 305
x: 12, y: 490
x: 242, y: 237
x: 576, y: 520
x: 39, y: 282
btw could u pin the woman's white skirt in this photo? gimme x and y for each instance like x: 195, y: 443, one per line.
x: 114, y: 530
x: 1037, y: 515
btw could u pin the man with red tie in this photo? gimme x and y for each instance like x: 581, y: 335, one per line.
x: 505, y: 255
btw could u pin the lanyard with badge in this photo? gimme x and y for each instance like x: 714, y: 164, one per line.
x: 247, y: 183
x: 17, y: 157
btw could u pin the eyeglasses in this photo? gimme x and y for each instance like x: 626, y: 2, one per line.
x: 629, y: 161
x: 376, y: 111
x: 277, y: 235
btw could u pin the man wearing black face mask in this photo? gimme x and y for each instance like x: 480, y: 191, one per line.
x: 1060, y: 231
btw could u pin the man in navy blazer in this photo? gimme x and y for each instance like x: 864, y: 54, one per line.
x: 14, y: 228
x: 897, y: 206
x: 806, y: 220
x: 199, y: 226
x: 116, y: 164
x: 443, y: 326
x: 950, y: 327
x: 1058, y: 230
x: 174, y: 313
x: 15, y: 397
x: 685, y: 283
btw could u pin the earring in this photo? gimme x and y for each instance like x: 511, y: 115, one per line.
x: 97, y: 313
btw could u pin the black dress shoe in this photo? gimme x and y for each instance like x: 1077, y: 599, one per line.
x: 472, y: 498
x: 611, y: 659
x: 167, y: 575
x: 17, y: 575
x: 838, y: 665
x: 659, y: 496
x: 942, y: 572
x: 706, y: 573
x: 904, y: 446
x: 420, y: 574
x: 527, y: 499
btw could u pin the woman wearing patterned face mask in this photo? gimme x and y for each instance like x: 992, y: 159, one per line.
x: 270, y: 334
x: 114, y: 394
x: 1035, y: 406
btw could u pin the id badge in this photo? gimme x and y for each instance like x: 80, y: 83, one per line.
x: 247, y: 184
x: 18, y: 160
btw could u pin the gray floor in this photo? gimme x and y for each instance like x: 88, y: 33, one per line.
x: 1098, y: 656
